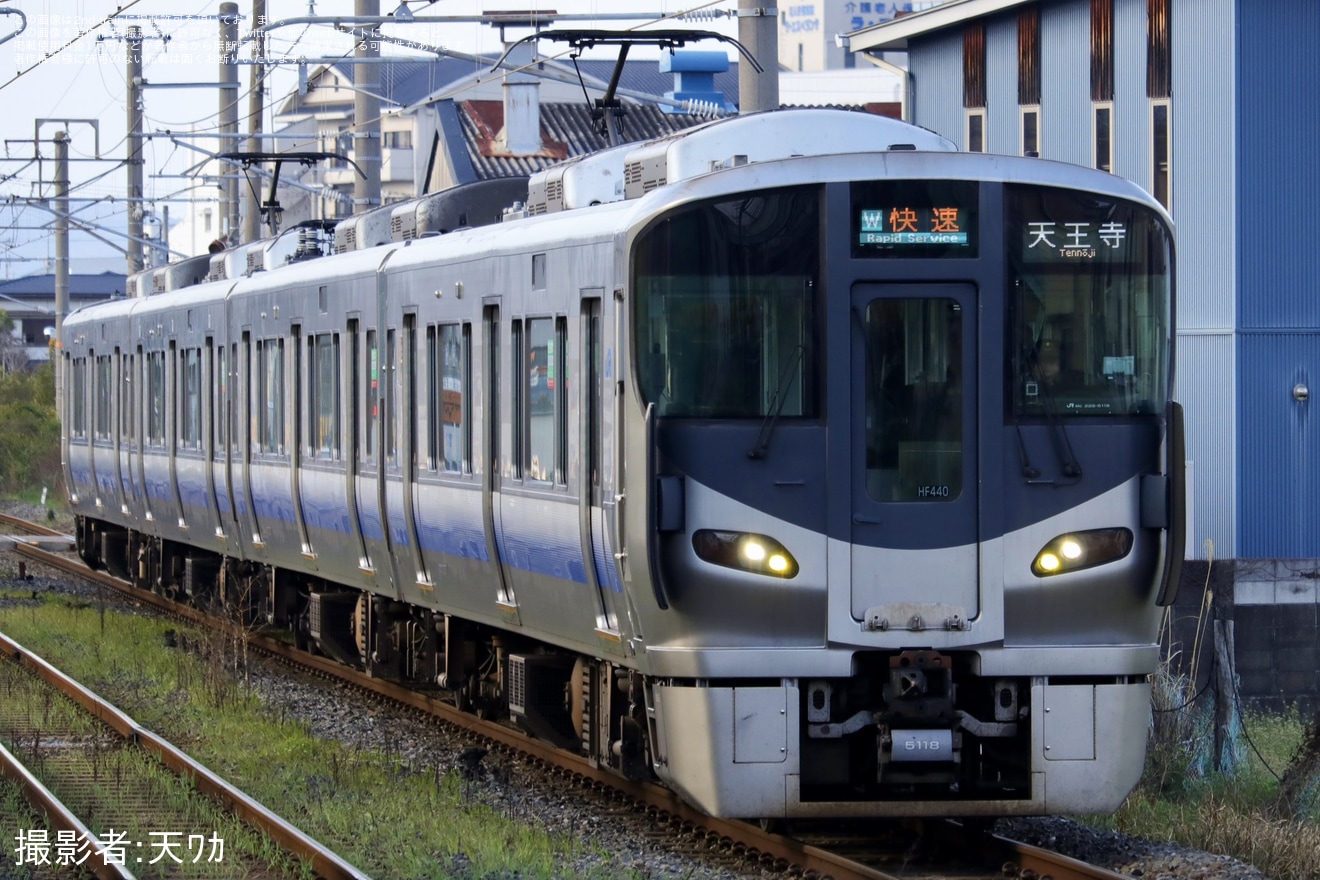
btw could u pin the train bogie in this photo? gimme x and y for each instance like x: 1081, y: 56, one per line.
x: 810, y: 484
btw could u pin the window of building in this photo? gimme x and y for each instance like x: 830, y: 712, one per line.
x: 1030, y: 131
x: 1102, y: 136
x: 396, y: 140
x: 1160, y: 134
x: 975, y: 133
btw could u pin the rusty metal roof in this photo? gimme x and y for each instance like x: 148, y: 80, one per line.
x: 567, y: 130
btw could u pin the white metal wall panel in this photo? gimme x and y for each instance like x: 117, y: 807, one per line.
x: 936, y: 99
x: 1130, y: 138
x: 1202, y: 119
x: 1001, y: 85
x: 1206, y: 366
x: 1065, y: 86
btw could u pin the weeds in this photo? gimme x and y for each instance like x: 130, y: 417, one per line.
x: 1242, y: 810
x: 390, y: 818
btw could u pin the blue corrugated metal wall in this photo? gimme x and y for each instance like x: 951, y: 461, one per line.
x: 1278, y: 188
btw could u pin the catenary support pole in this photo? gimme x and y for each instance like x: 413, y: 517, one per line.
x: 366, y: 114
x: 229, y: 202
x: 758, y: 30
x: 135, y: 205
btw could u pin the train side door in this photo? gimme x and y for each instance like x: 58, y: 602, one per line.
x: 354, y: 369
x: 600, y: 569
x: 595, y: 503
x: 491, y: 486
x: 913, y: 465
x: 406, y: 457
x: 370, y: 468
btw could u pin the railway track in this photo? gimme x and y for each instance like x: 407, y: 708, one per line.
x: 843, y: 851
x: 75, y: 756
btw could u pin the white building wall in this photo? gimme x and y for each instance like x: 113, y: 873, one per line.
x: 1065, y: 84
x: 936, y: 83
x: 1204, y: 207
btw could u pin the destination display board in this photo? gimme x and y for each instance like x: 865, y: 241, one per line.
x: 915, y: 218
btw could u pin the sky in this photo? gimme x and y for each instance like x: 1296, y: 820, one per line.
x: 53, y: 79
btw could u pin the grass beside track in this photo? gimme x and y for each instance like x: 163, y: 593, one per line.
x: 1239, y: 812
x: 389, y: 819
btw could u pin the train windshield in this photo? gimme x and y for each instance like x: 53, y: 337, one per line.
x: 725, y: 317
x: 1089, y: 305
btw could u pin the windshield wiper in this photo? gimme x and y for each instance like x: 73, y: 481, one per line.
x: 1072, y: 468
x: 777, y: 402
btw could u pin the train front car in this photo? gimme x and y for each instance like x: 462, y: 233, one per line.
x: 905, y: 518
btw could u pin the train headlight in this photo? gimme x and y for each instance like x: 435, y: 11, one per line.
x: 1077, y: 550
x: 758, y: 554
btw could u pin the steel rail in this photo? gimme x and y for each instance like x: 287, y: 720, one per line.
x: 783, y: 851
x: 30, y: 527
x: 61, y: 817
x: 323, y: 860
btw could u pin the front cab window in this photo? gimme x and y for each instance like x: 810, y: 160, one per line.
x: 725, y: 316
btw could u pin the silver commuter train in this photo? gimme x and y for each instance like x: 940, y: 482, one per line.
x: 797, y: 460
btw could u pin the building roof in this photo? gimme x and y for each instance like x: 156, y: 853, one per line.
x: 895, y: 33
x: 567, y: 129
x: 102, y: 286
x: 410, y: 81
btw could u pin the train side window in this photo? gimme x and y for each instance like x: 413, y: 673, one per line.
x: 408, y: 404
x: 542, y: 436
x: 372, y: 394
x: 156, y: 398
x: 391, y: 396
x: 559, y: 380
x: 433, y: 404
x: 126, y: 397
x: 270, y: 395
x: 323, y: 395
x: 78, y: 402
x: 101, y: 413
x: 220, y: 403
x: 190, y: 417
x: 518, y: 411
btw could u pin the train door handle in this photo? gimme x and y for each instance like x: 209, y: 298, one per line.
x: 867, y: 520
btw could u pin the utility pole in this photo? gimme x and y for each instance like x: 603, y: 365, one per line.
x: 758, y: 31
x: 134, y: 44
x: 256, y: 102
x: 366, y: 112
x: 61, y: 258
x: 229, y: 203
